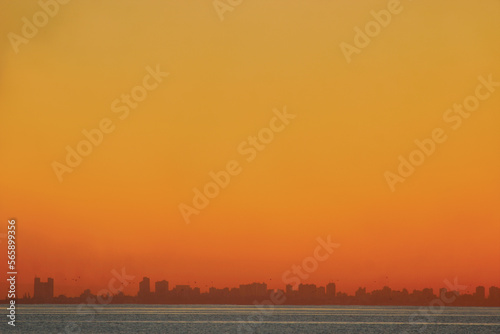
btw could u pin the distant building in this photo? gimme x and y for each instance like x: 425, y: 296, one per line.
x: 218, y: 293
x: 161, y: 289
x: 86, y: 294
x: 144, y: 289
x: 307, y: 290
x: 494, y: 293
x: 360, y: 293
x: 183, y: 291
x: 331, y: 290
x: 44, y: 290
x: 253, y: 290
x: 429, y: 293
x: 480, y: 293
x: 320, y: 292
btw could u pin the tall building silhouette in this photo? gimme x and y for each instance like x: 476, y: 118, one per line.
x: 144, y: 289
x: 480, y: 293
x: 494, y: 293
x: 161, y: 289
x: 331, y: 290
x: 44, y: 290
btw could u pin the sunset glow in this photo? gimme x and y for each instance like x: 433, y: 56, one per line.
x: 207, y: 89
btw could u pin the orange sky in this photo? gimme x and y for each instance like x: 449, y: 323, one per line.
x: 322, y: 175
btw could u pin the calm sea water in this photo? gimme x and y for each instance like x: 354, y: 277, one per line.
x: 217, y: 319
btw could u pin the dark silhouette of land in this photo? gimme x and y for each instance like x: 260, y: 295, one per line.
x: 256, y: 293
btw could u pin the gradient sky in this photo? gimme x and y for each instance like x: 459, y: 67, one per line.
x: 323, y: 175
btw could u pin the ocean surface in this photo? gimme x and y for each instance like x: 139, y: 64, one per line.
x: 217, y: 319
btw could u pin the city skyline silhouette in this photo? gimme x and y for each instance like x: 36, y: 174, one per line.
x: 254, y: 293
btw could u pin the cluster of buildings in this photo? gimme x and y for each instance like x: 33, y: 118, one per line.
x: 305, y: 294
x: 245, y: 293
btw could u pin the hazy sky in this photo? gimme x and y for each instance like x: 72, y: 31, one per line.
x: 322, y: 175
